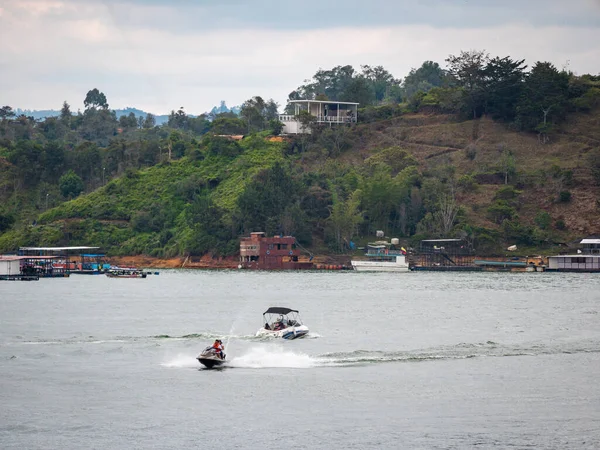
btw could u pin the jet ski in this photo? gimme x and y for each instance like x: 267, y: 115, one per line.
x: 210, y: 358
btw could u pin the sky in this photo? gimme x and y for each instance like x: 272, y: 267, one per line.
x: 159, y: 55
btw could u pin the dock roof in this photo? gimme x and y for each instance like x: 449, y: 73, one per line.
x: 441, y: 240
x: 23, y: 257
x: 590, y: 241
x: 55, y: 249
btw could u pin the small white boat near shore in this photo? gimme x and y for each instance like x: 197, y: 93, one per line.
x: 381, y: 258
x: 125, y: 272
x: 282, y: 323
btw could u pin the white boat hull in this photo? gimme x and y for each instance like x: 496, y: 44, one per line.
x: 399, y: 265
x: 287, y: 333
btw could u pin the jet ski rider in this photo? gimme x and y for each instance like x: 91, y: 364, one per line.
x: 218, y: 346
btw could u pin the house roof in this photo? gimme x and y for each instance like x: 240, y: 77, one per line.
x: 590, y: 241
x: 323, y: 101
x: 579, y: 255
x: 54, y: 249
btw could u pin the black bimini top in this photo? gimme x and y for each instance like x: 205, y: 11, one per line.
x: 278, y: 310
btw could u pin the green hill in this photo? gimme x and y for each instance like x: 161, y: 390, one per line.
x: 483, y: 150
x: 394, y: 174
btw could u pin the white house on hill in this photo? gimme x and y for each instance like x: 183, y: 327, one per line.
x: 324, y: 111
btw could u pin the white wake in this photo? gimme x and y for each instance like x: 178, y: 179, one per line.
x: 261, y: 357
x: 258, y: 357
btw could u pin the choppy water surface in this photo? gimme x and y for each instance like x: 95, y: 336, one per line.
x: 417, y: 360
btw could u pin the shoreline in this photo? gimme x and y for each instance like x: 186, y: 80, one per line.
x: 204, y: 262
x: 232, y: 262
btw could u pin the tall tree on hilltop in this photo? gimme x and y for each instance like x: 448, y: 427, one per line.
x: 504, y: 86
x: 65, y: 114
x: 468, y: 71
x: 149, y: 121
x: 379, y: 79
x: 178, y: 119
x: 251, y: 112
x: 423, y: 79
x: 95, y: 99
x: 258, y: 112
x: 544, y: 99
x: 6, y: 112
x: 358, y: 90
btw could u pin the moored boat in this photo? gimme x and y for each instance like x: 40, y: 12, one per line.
x: 382, y: 257
x: 125, y: 272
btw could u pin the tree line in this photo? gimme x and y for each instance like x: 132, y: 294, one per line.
x: 471, y: 84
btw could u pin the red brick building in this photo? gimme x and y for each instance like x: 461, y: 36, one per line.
x: 271, y: 253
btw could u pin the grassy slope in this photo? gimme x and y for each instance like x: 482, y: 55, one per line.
x: 103, y: 216
x: 438, y: 140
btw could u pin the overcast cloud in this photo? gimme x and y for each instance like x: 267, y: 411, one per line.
x: 158, y: 55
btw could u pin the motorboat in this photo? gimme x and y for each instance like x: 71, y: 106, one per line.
x: 210, y: 358
x: 125, y: 272
x: 382, y: 258
x: 282, y: 323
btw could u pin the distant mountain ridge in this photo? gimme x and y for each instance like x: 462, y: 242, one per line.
x: 39, y: 114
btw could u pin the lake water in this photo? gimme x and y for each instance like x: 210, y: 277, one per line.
x: 416, y: 360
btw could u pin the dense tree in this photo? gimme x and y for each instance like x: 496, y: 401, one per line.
x: 359, y: 90
x: 251, y: 112
x: 342, y: 83
x: 381, y: 81
x: 128, y: 122
x: 98, y: 125
x: 95, y: 99
x: 264, y: 200
x: 53, y: 160
x: 503, y: 86
x: 344, y: 219
x: 208, y: 231
x: 6, y: 112
x: 426, y: 77
x: 149, y: 121
x: 258, y: 113
x: 70, y: 184
x: 544, y: 99
x: 178, y: 119
x: 199, y: 125
x: 65, y: 114
x: 28, y: 157
x: 6, y: 221
x: 228, y: 125
x: 468, y: 72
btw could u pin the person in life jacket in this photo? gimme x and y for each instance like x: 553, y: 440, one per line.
x: 218, y: 346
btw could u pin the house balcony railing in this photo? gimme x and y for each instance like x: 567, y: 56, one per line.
x: 320, y: 119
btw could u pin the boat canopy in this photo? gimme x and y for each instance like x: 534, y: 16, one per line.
x: 278, y: 310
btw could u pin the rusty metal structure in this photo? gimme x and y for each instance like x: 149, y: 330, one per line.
x: 443, y: 254
x: 259, y: 252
